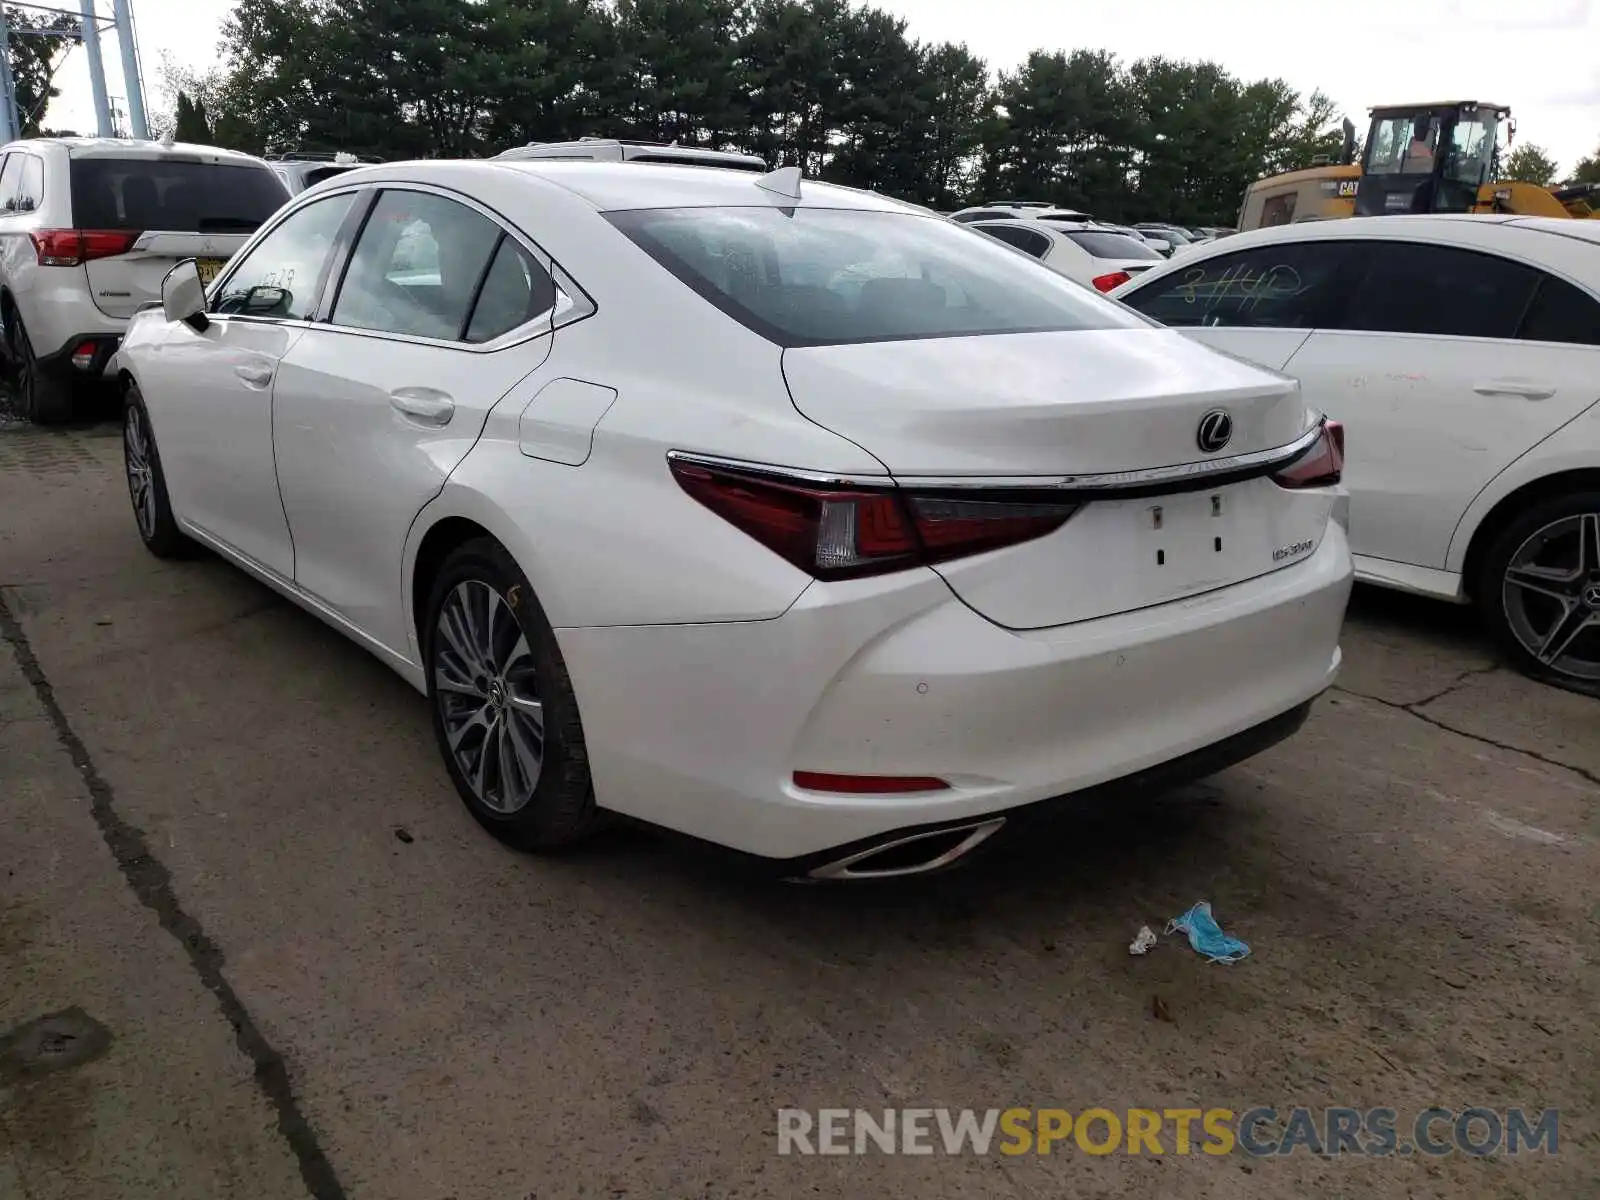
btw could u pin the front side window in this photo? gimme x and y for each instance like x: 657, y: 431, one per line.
x: 1472, y: 148
x: 816, y: 276
x: 1286, y: 286
x: 1029, y: 241
x: 1403, y: 145
x: 281, y: 275
x: 416, y: 267
x: 1413, y: 287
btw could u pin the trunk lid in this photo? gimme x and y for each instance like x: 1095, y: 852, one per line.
x: 1033, y: 407
x: 1042, y: 404
x: 123, y: 283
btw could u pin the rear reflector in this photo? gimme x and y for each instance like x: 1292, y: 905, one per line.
x: 868, y: 785
x: 1116, y: 279
x: 74, y: 247
x: 1320, y: 466
x: 848, y: 531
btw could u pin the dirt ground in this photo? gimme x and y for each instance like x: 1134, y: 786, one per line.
x: 232, y: 868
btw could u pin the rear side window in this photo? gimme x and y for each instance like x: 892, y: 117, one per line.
x: 1561, y: 313
x: 173, y: 195
x: 816, y: 276
x: 1112, y: 245
x: 11, y: 182
x: 30, y: 191
x: 1274, y: 287
x: 1413, y: 287
x: 416, y: 266
x: 1027, y: 240
x: 514, y: 291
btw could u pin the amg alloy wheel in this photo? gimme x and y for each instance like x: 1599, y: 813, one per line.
x: 1547, y: 590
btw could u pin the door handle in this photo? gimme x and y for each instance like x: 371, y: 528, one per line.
x: 1508, y: 387
x: 423, y: 405
x: 254, y: 374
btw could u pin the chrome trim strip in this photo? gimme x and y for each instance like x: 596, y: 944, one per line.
x: 1190, y: 474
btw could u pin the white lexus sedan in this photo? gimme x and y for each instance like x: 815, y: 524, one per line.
x: 1463, y: 354
x: 774, y: 513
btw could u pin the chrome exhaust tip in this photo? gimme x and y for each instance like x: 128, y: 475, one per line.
x: 912, y: 854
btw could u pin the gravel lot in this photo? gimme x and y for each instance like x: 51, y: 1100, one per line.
x: 225, y: 839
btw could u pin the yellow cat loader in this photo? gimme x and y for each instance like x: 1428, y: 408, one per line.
x: 1418, y: 158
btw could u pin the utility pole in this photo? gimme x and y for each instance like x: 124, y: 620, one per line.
x: 97, y: 71
x: 9, y: 117
x: 122, y: 13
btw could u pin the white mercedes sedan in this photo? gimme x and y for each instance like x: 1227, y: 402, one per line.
x: 1463, y: 354
x: 778, y: 514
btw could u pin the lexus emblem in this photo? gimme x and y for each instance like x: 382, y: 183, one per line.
x: 1216, y: 430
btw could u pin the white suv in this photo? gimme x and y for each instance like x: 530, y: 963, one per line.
x: 89, y: 227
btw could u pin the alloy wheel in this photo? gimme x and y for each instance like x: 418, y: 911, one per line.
x: 1551, y: 595
x: 486, y: 689
x: 141, y: 475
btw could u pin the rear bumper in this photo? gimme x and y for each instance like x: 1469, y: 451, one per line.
x: 83, y: 355
x: 58, y: 310
x: 699, y: 728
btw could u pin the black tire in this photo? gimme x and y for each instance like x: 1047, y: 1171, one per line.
x: 488, y: 707
x: 1550, y: 536
x: 43, y: 397
x: 147, y: 483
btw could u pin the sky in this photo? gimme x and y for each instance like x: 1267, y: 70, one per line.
x: 1541, y: 57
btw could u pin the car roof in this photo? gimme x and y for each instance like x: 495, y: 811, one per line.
x: 613, y: 186
x: 83, y: 147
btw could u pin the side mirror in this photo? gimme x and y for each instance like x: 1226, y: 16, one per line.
x: 183, y: 296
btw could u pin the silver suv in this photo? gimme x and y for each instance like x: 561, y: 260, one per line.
x: 591, y: 149
x: 300, y: 169
x: 89, y: 227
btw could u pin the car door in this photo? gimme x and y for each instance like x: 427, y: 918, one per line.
x: 1258, y: 303
x: 440, y: 312
x: 1439, y: 366
x: 210, y: 391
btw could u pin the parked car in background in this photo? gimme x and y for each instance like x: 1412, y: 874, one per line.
x: 659, y: 436
x: 1017, y: 210
x: 1463, y: 354
x: 1089, y: 254
x: 593, y: 149
x: 300, y: 169
x: 89, y: 228
x: 1170, y: 240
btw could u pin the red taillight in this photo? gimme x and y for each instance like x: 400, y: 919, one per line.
x: 74, y: 247
x: 1320, y: 466
x: 845, y: 532
x: 1114, y: 280
x: 867, y: 785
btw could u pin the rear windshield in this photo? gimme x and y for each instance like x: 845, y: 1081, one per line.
x: 729, y: 164
x: 1111, y: 245
x: 172, y: 195
x: 317, y: 174
x: 824, y: 276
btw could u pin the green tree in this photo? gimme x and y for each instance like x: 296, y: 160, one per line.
x: 190, y: 124
x: 34, y: 59
x: 1529, y: 163
x: 1588, y: 169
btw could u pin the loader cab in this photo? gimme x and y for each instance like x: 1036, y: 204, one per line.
x: 1429, y: 158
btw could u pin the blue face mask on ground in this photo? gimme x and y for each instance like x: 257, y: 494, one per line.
x: 1206, y: 936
